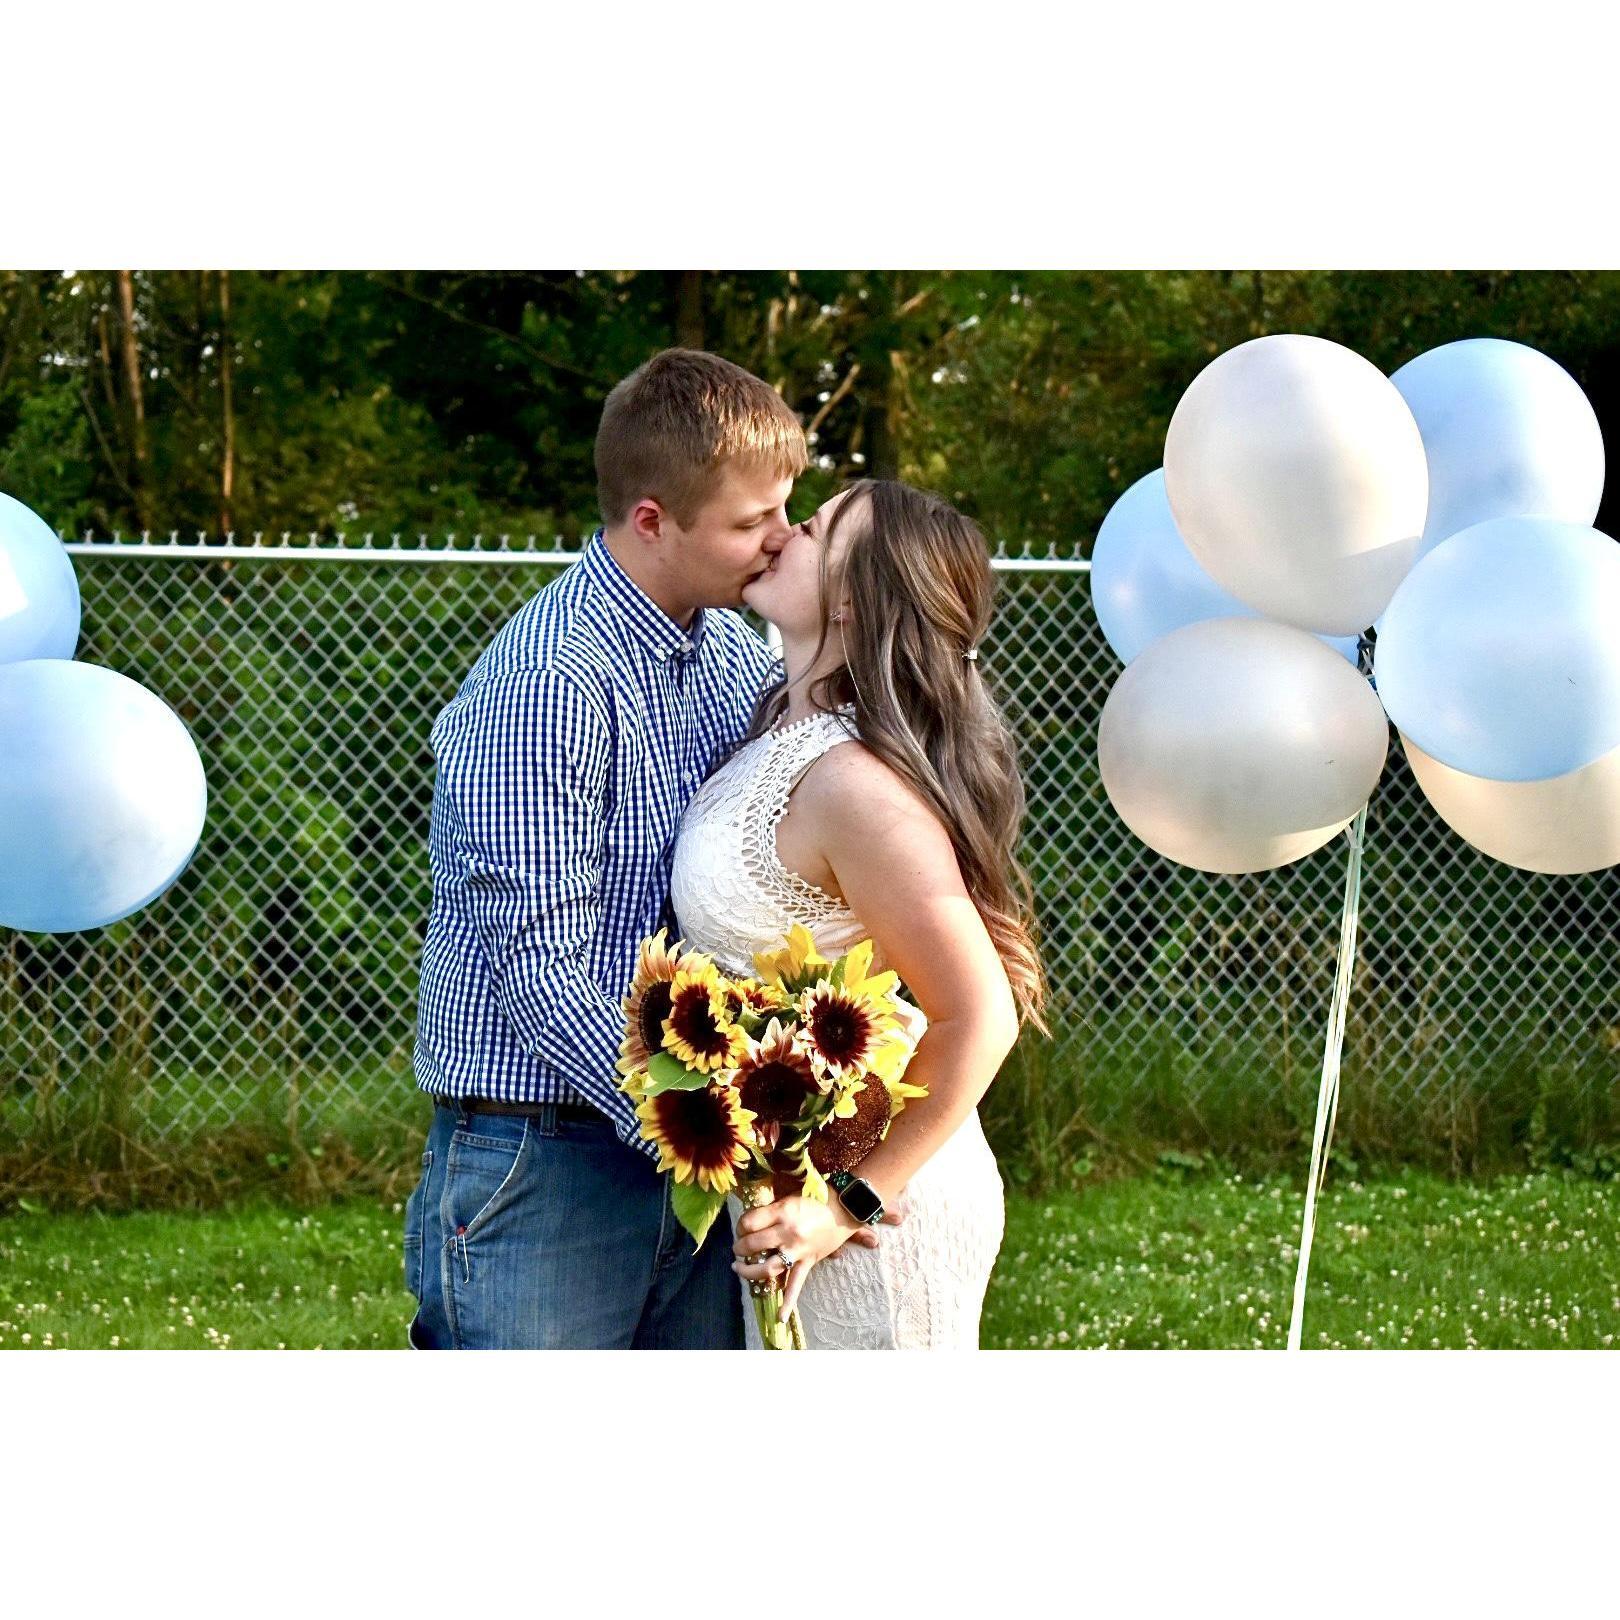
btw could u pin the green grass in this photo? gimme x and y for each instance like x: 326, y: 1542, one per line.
x: 1149, y: 1262
x: 1473, y: 1102
x: 1415, y: 1261
x: 95, y: 1145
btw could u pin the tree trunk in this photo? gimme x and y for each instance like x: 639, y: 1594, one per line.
x: 19, y: 294
x: 689, y: 309
x: 227, y: 471
x: 881, y: 383
x: 109, y: 387
x: 882, y: 452
x: 137, y: 402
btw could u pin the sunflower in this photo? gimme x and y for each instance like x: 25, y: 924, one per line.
x: 894, y: 1058
x: 845, y: 1033
x: 701, y: 1135
x: 776, y: 1078
x: 793, y: 966
x: 700, y: 1029
x: 647, y: 1005
x: 756, y: 1000
x: 841, y: 1144
x: 858, y: 978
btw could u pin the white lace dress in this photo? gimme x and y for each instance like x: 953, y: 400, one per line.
x: 923, y: 1287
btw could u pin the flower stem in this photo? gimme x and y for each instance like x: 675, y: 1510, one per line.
x: 774, y: 1333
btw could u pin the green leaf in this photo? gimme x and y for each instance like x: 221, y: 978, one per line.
x: 666, y: 1072
x: 694, y: 1208
x: 794, y: 1138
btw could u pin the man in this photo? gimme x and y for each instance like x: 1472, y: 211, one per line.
x: 564, y: 765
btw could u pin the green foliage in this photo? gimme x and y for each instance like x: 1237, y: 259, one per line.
x: 432, y: 401
x: 666, y: 1072
x: 49, y: 449
x: 694, y: 1208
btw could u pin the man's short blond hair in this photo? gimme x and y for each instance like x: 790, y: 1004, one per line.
x: 673, y: 425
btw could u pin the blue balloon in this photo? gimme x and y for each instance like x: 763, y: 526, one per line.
x: 1500, y: 651
x: 1146, y: 583
x: 39, y: 592
x: 102, y: 796
x: 1507, y: 433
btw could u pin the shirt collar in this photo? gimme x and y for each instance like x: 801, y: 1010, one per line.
x: 646, y: 620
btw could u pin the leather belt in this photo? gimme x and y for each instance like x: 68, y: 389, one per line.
x: 582, y: 1112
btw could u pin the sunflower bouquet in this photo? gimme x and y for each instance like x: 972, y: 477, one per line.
x: 763, y: 1087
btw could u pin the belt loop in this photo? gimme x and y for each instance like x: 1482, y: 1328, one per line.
x: 463, y: 1115
x: 546, y: 1120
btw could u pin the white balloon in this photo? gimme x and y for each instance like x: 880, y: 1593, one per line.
x: 1146, y: 583
x: 1297, y: 478
x: 1563, y: 824
x: 1237, y: 745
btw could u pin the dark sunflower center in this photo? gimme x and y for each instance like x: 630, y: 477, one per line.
x: 698, y: 1126
x: 774, y: 1092
x: 654, y: 1010
x: 840, y: 1031
x: 841, y: 1144
x: 695, y: 1023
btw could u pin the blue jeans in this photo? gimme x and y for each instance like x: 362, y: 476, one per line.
x: 550, y: 1234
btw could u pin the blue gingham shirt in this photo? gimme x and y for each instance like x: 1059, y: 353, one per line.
x: 564, y: 766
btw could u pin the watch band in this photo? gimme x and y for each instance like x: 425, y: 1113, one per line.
x: 858, y: 1196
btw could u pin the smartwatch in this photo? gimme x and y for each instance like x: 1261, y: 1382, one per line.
x: 857, y: 1196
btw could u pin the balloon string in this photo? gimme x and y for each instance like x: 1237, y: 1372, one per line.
x: 1327, y: 1098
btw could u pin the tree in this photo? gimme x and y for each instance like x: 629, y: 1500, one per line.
x: 422, y: 401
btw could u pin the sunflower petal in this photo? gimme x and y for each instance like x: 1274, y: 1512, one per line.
x: 815, y: 1184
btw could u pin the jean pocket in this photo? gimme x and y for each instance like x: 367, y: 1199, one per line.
x: 415, y: 1235
x: 480, y: 1173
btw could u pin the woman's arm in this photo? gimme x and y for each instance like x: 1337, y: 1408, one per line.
x: 897, y: 871
x: 894, y: 864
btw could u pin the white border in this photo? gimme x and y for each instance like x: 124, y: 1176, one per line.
x: 1119, y: 1483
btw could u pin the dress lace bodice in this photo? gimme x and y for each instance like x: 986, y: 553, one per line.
x: 732, y: 894
x: 923, y: 1286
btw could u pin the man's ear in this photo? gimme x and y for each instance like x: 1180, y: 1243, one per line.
x: 648, y: 520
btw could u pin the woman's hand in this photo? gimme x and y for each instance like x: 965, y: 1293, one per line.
x: 801, y: 1228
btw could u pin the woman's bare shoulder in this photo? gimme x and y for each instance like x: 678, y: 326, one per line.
x: 850, y: 776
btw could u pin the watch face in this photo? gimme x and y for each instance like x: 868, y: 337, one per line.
x: 860, y: 1200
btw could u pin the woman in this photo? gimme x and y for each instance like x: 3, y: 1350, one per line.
x: 877, y: 796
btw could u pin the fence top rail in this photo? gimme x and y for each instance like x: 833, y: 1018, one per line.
x: 475, y: 548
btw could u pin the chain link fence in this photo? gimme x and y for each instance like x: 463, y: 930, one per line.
x: 277, y: 980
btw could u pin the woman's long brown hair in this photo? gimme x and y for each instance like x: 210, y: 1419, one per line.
x: 920, y: 589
